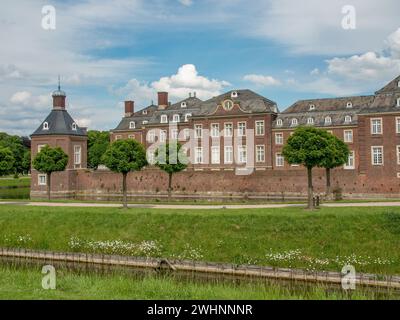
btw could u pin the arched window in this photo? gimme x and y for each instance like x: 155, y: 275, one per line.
x: 348, y: 119
x: 176, y: 118
x: 279, y: 122
x: 45, y: 126
x: 183, y: 104
x: 295, y: 122
x: 132, y: 125
x: 228, y: 105
x: 398, y: 102
x: 349, y: 105
x: 187, y: 116
x: 310, y: 121
x: 312, y: 107
x: 74, y: 126
x: 164, y: 118
x: 234, y: 94
x: 328, y: 120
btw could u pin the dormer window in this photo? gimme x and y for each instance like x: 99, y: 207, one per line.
x: 164, y: 118
x: 132, y: 125
x: 183, y: 104
x: 187, y: 116
x: 45, y: 126
x: 310, y: 121
x: 398, y: 102
x: 348, y: 119
x: 234, y: 94
x: 328, y: 120
x: 145, y: 122
x: 74, y: 126
x: 279, y: 122
x: 398, y: 84
x: 312, y: 107
x: 144, y: 112
x: 295, y: 122
x: 349, y: 105
x: 228, y: 105
x: 176, y: 118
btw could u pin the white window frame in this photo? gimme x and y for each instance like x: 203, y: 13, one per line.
x: 242, y: 129
x: 349, y: 105
x: 328, y: 120
x: 228, y: 154
x: 198, y: 131
x: 183, y: 104
x: 215, y: 130
x: 163, y: 136
x: 230, y: 124
x: 279, y: 160
x: 279, y: 138
x: 174, y: 134
x: 198, y: 155
x: 186, y: 133
x: 352, y: 165
x: 373, y: 156
x: 376, y: 126
x: 260, y: 127
x: 132, y: 125
x: 398, y: 102
x: 131, y: 136
x: 242, y: 154
x: 294, y: 122
x: 226, y: 107
x: 164, y: 118
x: 40, y: 176
x: 279, y: 123
x: 345, y: 137
x: 74, y: 127
x: 151, y: 136
x: 187, y: 115
x: 176, y: 118
x: 118, y: 137
x: 397, y: 124
x: 215, y: 155
x: 348, y: 119
x: 45, y: 126
x: 398, y: 154
x: 77, y: 155
x: 310, y: 121
x: 260, y: 153
x: 40, y: 147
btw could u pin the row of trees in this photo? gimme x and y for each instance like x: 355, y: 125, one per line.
x: 15, y: 156
x: 308, y: 146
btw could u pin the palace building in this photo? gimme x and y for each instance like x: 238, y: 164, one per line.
x: 238, y: 129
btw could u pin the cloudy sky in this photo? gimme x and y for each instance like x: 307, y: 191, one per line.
x: 109, y: 51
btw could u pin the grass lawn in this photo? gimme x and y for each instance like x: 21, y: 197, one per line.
x: 19, y: 284
x: 11, y: 182
x: 368, y: 238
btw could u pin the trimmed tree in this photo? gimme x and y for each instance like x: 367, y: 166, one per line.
x: 171, y: 159
x: 50, y: 160
x: 308, y: 146
x: 6, y: 161
x: 336, y: 156
x: 98, y: 142
x: 124, y: 156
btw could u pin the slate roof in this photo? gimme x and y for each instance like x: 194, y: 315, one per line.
x: 60, y: 123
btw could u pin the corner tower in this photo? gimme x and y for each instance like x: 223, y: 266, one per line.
x: 59, y: 130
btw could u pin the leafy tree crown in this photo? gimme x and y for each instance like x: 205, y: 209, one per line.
x: 337, y: 153
x: 123, y: 156
x: 50, y: 160
x: 6, y: 161
x: 171, y: 158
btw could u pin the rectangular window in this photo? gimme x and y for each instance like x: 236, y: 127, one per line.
x: 397, y: 125
x: 163, y: 136
x: 151, y: 158
x: 186, y: 134
x: 42, y: 180
x: 215, y: 130
x: 198, y: 155
x: 198, y: 131
x: 242, y: 152
x: 151, y: 136
x: 131, y: 136
x: 241, y: 129
x: 260, y: 131
x: 174, y: 134
x: 215, y: 155
x: 376, y: 126
x: 348, y: 136
x: 398, y: 154
x: 280, y: 160
x: 278, y: 138
x: 118, y: 137
x: 377, y: 156
x: 77, y: 155
x: 228, y: 130
x: 40, y: 147
x: 260, y: 154
x: 228, y: 154
x: 350, y: 165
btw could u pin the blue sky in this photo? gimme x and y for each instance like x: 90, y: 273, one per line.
x: 108, y: 51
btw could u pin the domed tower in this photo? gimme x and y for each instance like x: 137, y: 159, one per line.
x: 59, y: 130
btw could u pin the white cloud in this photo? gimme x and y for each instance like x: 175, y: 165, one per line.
x: 186, y: 3
x: 260, y: 80
x: 186, y: 80
x: 314, y: 72
x: 393, y: 43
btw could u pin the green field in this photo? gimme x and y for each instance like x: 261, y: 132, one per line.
x: 26, y: 284
x: 368, y: 238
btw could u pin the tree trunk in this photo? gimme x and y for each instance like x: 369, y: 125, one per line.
x: 49, y: 186
x: 328, y: 182
x: 169, y: 186
x: 124, y: 191
x: 310, y: 189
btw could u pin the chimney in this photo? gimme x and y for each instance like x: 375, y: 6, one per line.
x: 129, y: 108
x: 162, y: 100
x: 195, y: 94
